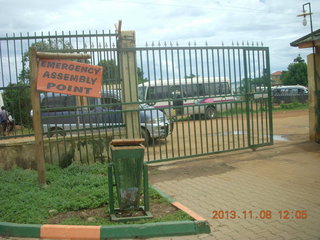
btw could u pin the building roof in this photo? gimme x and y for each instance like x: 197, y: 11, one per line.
x: 277, y: 73
x: 307, y: 40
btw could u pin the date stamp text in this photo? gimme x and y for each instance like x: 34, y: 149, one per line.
x: 260, y: 214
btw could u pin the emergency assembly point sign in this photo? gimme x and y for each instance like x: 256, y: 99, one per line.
x: 68, y: 77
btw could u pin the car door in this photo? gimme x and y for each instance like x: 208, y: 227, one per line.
x: 58, y: 110
x: 111, y: 111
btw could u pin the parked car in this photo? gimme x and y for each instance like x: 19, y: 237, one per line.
x: 61, y: 113
x: 290, y: 93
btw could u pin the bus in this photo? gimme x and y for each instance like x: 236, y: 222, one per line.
x: 189, y: 96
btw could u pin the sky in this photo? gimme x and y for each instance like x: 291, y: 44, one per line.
x: 272, y: 22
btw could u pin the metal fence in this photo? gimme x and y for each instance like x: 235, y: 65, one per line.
x: 194, y: 100
x: 14, y: 66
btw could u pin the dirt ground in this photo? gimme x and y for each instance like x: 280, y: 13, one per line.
x: 158, y: 210
x: 290, y: 127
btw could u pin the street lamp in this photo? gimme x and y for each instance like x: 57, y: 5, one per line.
x: 304, y: 22
x: 304, y: 14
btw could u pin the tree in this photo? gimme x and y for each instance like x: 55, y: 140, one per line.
x: 17, y: 100
x: 259, y: 82
x: 50, y: 45
x: 141, y: 78
x: 111, y: 72
x: 17, y: 95
x: 297, y: 73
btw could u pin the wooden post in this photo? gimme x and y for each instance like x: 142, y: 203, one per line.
x: 129, y: 83
x: 36, y: 119
x: 314, y: 117
x: 35, y: 100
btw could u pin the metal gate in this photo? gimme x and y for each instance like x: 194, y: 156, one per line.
x: 194, y: 100
x: 218, y: 98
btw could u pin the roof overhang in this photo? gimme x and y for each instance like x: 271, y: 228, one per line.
x: 307, y: 41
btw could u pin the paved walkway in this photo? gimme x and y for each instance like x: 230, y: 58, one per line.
x: 283, y: 180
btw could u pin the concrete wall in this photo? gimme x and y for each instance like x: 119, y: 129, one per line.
x: 60, y: 151
x: 314, y: 105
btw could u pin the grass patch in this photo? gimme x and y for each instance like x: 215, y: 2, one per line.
x: 73, y: 189
x: 292, y: 106
x: 258, y: 108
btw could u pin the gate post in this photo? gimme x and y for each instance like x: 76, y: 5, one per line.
x: 129, y: 83
x: 247, y: 97
x: 314, y: 99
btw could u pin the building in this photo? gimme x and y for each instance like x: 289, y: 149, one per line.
x: 276, y: 78
x: 312, y: 40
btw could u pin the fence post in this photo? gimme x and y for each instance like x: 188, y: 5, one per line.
x: 314, y: 100
x: 36, y: 119
x: 129, y: 83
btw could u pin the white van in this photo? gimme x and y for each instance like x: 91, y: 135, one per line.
x: 290, y: 93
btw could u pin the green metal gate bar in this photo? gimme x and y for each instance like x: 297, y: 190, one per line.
x: 233, y: 81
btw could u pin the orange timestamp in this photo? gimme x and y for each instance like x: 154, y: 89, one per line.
x: 262, y: 214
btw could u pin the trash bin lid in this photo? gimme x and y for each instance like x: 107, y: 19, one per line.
x: 127, y: 142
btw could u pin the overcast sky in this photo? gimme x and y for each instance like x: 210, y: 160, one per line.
x: 273, y: 22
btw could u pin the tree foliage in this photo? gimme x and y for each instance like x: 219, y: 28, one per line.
x: 141, y: 78
x: 111, y: 74
x: 110, y: 71
x: 17, y: 100
x: 259, y: 82
x: 17, y: 95
x: 49, y: 45
x: 296, y: 74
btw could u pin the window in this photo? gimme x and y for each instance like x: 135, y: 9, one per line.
x: 112, y: 103
x: 70, y: 101
x: 158, y: 92
x: 141, y: 92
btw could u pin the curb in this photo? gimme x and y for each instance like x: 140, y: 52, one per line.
x: 161, y: 229
x: 179, y: 205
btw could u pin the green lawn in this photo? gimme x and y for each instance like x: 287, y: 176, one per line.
x: 74, y: 188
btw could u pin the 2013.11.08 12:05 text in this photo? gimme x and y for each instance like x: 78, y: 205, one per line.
x: 260, y: 214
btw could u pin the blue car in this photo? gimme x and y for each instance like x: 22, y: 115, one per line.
x: 61, y: 114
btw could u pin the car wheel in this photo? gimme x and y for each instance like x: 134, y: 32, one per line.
x: 145, y: 134
x: 57, y: 131
x: 210, y: 113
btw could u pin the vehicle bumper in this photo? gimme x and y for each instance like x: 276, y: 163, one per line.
x: 160, y: 131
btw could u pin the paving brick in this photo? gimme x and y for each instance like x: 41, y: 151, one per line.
x: 287, y: 235
x: 255, y: 185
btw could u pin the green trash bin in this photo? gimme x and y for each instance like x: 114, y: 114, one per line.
x: 127, y: 158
